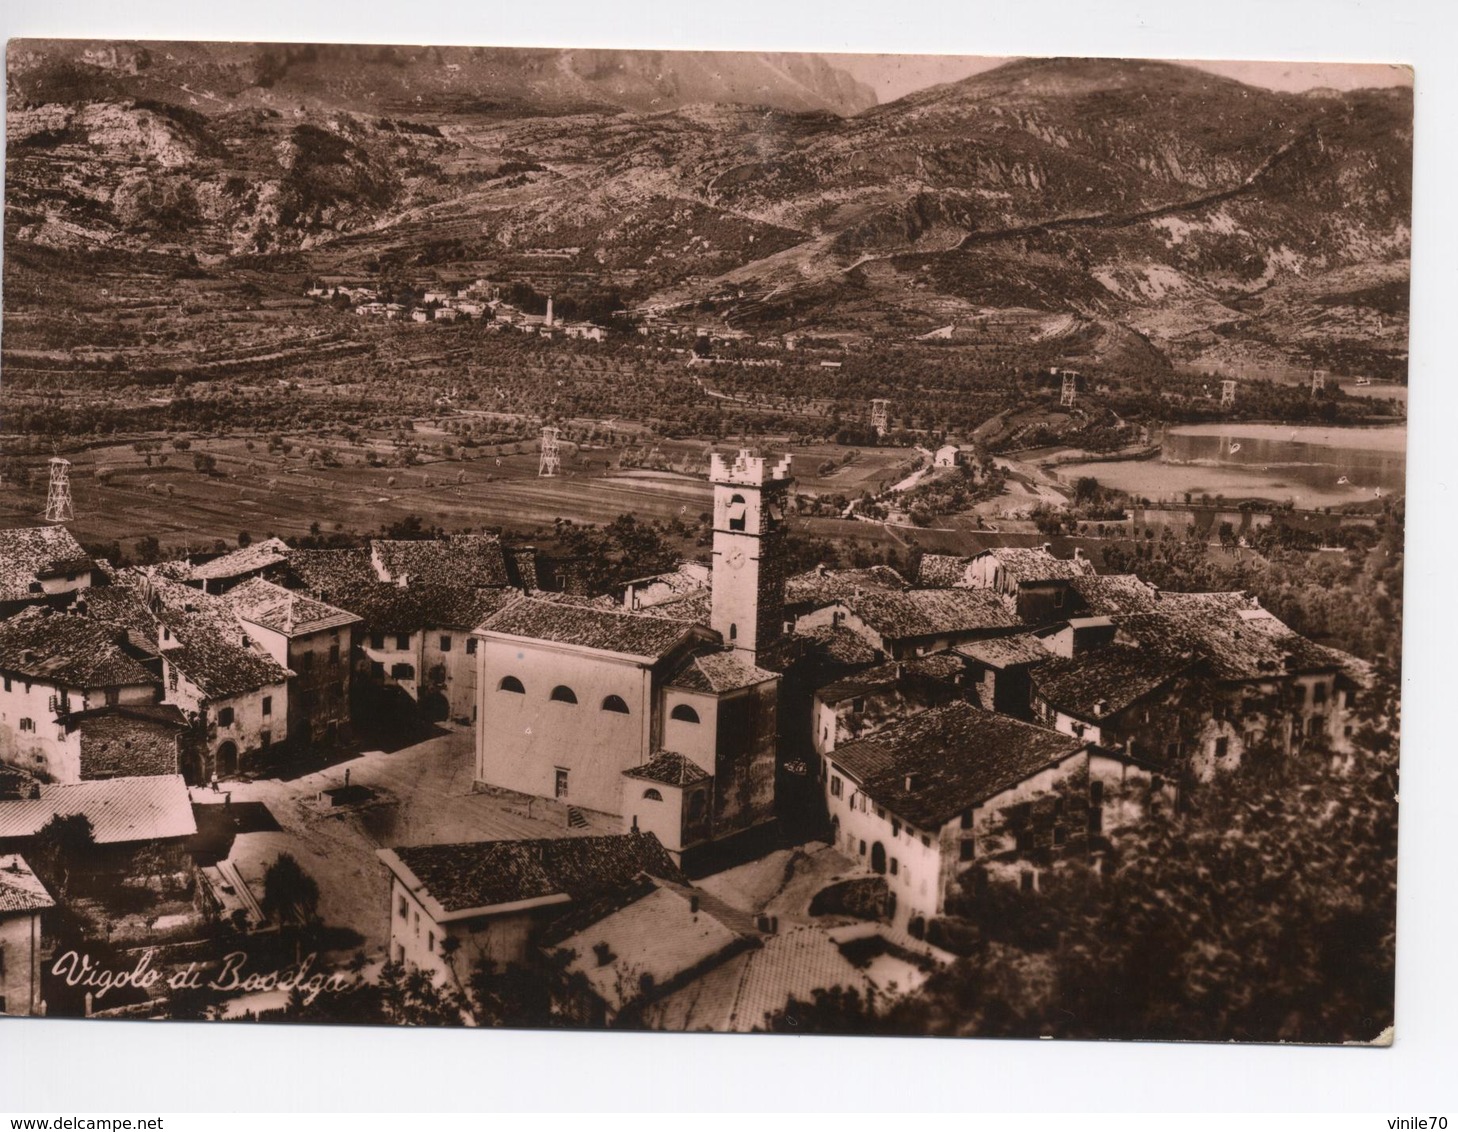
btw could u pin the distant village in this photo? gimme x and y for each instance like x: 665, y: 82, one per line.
x: 977, y: 725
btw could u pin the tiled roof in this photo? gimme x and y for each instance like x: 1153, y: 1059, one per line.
x: 642, y: 949
x: 121, y: 609
x: 817, y: 587
x: 939, y: 571
x: 1240, y: 644
x: 925, y: 613
x: 121, y: 810
x: 216, y: 663
x: 473, y: 560
x: 30, y: 553
x: 1172, y: 601
x: 284, y: 611
x: 1106, y: 594
x: 633, y: 634
x: 695, y: 608
x: 718, y: 672
x: 1101, y: 683
x: 1005, y: 652
x: 689, y: 578
x: 329, y: 574
x: 66, y: 649
x: 736, y: 996
x: 1034, y: 564
x: 955, y: 757
x: 167, y: 715
x: 478, y: 875
x: 669, y: 768
x: 20, y: 889
x: 243, y: 561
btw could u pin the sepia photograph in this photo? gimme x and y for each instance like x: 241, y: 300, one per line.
x: 702, y: 541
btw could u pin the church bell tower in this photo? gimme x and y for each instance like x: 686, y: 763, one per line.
x: 751, y: 498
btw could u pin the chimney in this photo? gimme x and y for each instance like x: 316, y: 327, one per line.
x: 1047, y: 548
x: 910, y: 783
x: 820, y: 569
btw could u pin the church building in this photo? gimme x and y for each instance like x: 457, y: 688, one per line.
x: 667, y: 723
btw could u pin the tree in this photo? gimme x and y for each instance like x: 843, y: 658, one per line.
x: 59, y: 846
x: 289, y: 892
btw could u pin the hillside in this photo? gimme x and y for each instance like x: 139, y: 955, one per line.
x: 1134, y: 209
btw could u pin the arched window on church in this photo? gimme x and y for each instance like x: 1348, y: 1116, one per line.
x: 652, y: 795
x: 510, y: 684
x: 738, y: 509
x: 615, y: 703
x: 684, y: 713
x: 563, y: 694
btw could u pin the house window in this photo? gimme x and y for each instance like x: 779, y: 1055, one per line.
x: 967, y: 849
x: 1318, y: 693
x: 265, y: 739
x: 858, y: 704
x: 1058, y: 599
x: 966, y: 819
x: 563, y: 694
x: 377, y: 669
x: 470, y: 646
x: 445, y: 643
x: 7, y: 683
x: 403, y: 671
x: 510, y: 684
x: 225, y: 717
x: 113, y: 696
x: 377, y: 640
x: 880, y: 812
x: 404, y: 908
x: 267, y: 705
x: 402, y: 641
x: 733, y: 631
x: 895, y: 827
x: 863, y: 848
x: 1026, y: 882
x: 561, y: 784
x: 430, y: 942
x: 417, y: 924
x: 837, y: 787
x: 305, y: 661
x: 1096, y: 792
x: 27, y: 725
x: 615, y: 703
x: 684, y: 714
x: 1060, y: 835
x: 333, y: 654
x: 652, y: 795
x: 926, y: 841
x: 895, y: 866
x: 1222, y: 747
x: 399, y: 953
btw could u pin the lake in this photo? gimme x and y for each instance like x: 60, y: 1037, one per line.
x: 1304, y: 463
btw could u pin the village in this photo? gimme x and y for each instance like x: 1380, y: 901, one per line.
x: 684, y: 804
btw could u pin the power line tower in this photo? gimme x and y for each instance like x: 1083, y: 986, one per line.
x: 58, y: 498
x: 1318, y: 381
x: 551, y: 462
x: 1227, y: 393
x: 1070, y: 388
x: 879, y: 407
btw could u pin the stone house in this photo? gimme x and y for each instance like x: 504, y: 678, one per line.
x: 23, y: 900
x: 313, y: 640
x: 38, y: 564
x: 1038, y: 582
x: 925, y: 800
x: 52, y: 665
x: 454, y: 905
x: 998, y: 671
x: 875, y: 697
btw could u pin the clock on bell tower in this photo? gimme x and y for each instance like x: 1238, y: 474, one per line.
x: 751, y: 497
